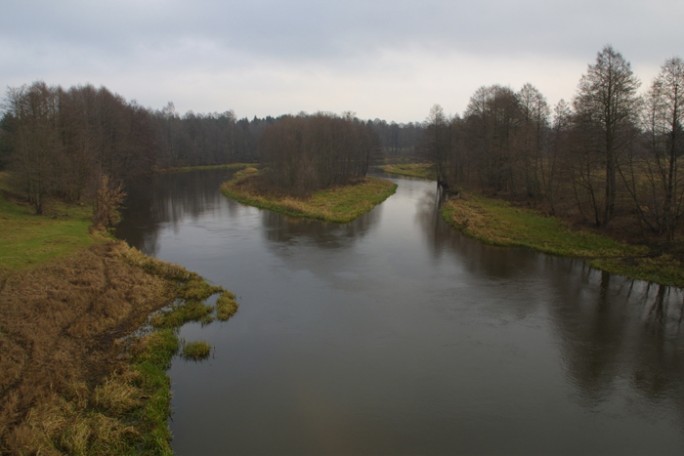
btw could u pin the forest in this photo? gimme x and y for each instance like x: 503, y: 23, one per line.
x: 609, y: 158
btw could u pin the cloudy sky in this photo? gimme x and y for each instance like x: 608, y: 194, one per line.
x: 390, y: 59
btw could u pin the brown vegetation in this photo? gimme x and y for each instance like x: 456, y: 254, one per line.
x: 307, y: 153
x: 65, y: 381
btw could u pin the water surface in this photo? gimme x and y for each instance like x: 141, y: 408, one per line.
x: 395, y: 334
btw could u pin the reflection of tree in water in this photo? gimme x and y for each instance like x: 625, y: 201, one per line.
x: 168, y: 198
x: 479, y: 258
x: 326, y: 250
x: 138, y: 227
x: 612, y: 328
x: 592, y: 320
x: 609, y: 327
x: 283, y: 229
x: 659, y: 365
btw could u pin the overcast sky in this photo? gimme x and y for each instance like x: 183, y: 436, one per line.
x: 390, y: 59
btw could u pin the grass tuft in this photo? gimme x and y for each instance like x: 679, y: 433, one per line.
x: 180, y: 313
x: 196, y: 350
x: 226, y: 306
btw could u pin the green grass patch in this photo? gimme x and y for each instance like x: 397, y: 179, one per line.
x: 421, y: 170
x: 226, y: 306
x: 339, y: 204
x: 185, y: 169
x: 152, y: 362
x: 28, y: 240
x: 196, y: 351
x: 500, y: 223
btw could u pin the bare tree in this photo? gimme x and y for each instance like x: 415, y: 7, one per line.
x: 34, y: 141
x: 307, y: 153
x: 492, y: 124
x: 534, y: 125
x: 437, y: 142
x: 108, y: 199
x: 552, y: 179
x: 607, y: 103
x: 664, y: 115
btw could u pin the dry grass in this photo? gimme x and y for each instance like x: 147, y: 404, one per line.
x: 118, y: 394
x: 226, y: 306
x: 72, y: 381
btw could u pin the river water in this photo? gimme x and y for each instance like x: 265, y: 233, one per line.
x: 395, y: 334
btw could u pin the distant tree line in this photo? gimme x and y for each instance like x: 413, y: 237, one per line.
x: 306, y: 153
x: 398, y: 142
x: 68, y: 142
x: 609, y: 158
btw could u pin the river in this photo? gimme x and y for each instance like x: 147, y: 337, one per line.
x: 395, y: 334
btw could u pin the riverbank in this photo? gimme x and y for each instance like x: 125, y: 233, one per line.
x: 73, y: 378
x: 500, y: 223
x: 420, y: 170
x: 186, y: 169
x: 340, y: 204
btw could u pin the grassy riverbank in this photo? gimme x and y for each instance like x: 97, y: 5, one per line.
x: 185, y: 169
x: 421, y: 170
x: 500, y: 223
x: 73, y: 379
x: 339, y: 204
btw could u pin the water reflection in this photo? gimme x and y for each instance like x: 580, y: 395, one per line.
x: 170, y: 199
x: 609, y: 328
x: 282, y: 229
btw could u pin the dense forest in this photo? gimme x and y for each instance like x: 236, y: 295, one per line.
x: 609, y: 158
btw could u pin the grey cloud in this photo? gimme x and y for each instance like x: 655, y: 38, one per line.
x: 134, y: 41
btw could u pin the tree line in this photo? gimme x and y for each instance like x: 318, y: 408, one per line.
x: 83, y: 142
x: 610, y: 158
x: 306, y: 153
x: 67, y: 143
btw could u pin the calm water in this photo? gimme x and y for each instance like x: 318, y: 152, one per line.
x: 396, y: 335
